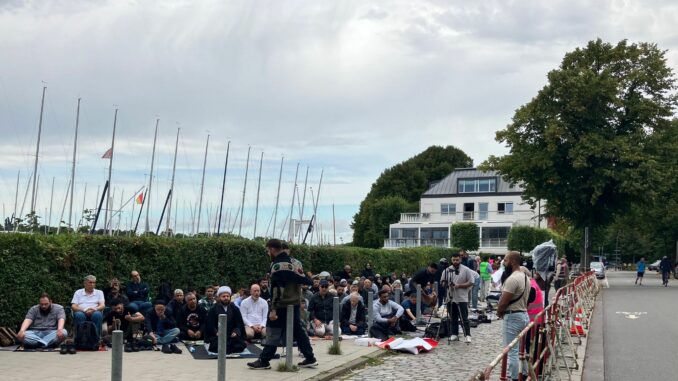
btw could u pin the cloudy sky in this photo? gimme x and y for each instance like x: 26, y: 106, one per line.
x: 348, y: 87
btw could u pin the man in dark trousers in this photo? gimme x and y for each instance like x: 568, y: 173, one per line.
x: 287, y: 276
x: 235, y: 342
x: 665, y: 267
x: 422, y: 278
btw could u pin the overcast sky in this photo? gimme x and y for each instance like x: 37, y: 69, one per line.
x: 351, y: 87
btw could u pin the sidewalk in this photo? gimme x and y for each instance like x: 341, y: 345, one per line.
x: 152, y: 365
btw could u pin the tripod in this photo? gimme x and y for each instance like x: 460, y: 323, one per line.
x: 448, y: 306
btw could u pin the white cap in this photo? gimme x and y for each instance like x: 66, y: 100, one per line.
x: 223, y: 289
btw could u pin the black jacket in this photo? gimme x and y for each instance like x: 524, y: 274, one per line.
x: 321, y: 307
x: 195, y: 320
x: 137, y: 292
x: 233, y: 321
x: 422, y: 277
x: 359, y: 316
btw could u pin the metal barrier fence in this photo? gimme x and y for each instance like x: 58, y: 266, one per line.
x: 548, y: 344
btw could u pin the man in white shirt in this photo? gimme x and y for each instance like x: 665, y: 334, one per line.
x: 458, y: 279
x: 88, y: 304
x: 254, y: 311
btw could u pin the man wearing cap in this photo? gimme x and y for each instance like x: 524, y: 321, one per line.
x: 287, y: 276
x: 235, y: 342
x: 320, y: 310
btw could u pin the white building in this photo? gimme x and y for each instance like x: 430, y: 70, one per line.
x: 465, y: 195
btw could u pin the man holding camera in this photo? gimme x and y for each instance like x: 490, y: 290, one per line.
x: 458, y: 279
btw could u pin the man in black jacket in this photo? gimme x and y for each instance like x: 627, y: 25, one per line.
x: 137, y: 293
x: 235, y: 342
x: 353, y: 316
x: 162, y: 328
x: 320, y: 310
x: 287, y: 276
x: 423, y: 277
x: 192, y: 319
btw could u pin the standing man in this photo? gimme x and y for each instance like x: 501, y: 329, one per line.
x: 562, y: 273
x: 640, y: 270
x: 254, y: 311
x: 88, y: 304
x: 665, y: 267
x: 43, y: 326
x: 137, y: 293
x: 287, y: 276
x: 485, y: 278
x: 513, y: 306
x: 458, y: 279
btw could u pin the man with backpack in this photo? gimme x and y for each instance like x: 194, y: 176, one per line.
x: 88, y: 304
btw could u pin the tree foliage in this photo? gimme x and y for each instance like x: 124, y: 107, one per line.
x: 406, y: 182
x: 525, y: 238
x: 465, y: 236
x: 584, y: 143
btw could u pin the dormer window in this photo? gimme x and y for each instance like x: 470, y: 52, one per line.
x: 486, y: 185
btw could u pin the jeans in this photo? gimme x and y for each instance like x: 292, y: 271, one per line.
x: 474, y: 293
x: 275, y: 335
x: 139, y: 306
x: 459, y: 310
x: 97, y: 317
x: 167, y: 337
x: 42, y: 338
x: 346, y: 329
x: 513, y: 325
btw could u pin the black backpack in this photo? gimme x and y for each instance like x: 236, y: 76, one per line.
x: 86, y: 336
x: 438, y: 330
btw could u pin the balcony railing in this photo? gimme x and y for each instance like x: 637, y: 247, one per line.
x: 411, y: 242
x: 494, y: 242
x: 495, y: 216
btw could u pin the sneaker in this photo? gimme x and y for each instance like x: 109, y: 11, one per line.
x: 308, y: 363
x: 166, y: 348
x: 128, y: 347
x: 64, y: 349
x: 454, y: 338
x: 175, y: 349
x: 71, y: 349
x: 467, y: 340
x: 258, y: 365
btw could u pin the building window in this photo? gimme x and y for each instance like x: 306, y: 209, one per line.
x: 494, y: 236
x: 434, y: 233
x: 448, y: 209
x: 482, y: 210
x: 477, y: 185
x: 505, y: 208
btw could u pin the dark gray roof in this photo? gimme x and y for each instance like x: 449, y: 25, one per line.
x: 448, y: 185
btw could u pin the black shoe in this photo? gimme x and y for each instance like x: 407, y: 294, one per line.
x: 166, y: 348
x: 175, y: 349
x: 135, y: 347
x: 258, y: 365
x: 128, y: 347
x: 64, y: 349
x: 71, y: 349
x: 308, y: 363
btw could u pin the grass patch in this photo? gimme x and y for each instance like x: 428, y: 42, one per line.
x: 282, y: 367
x: 334, y: 349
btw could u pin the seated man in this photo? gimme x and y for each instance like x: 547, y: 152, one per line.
x: 174, y: 306
x: 410, y: 315
x: 192, y: 319
x: 208, y: 300
x: 387, y: 313
x: 121, y: 318
x: 320, y: 310
x: 353, y: 316
x: 162, y: 328
x: 235, y: 337
x: 88, y: 304
x: 137, y: 293
x: 43, y: 326
x: 254, y: 312
x: 354, y: 288
x: 114, y: 295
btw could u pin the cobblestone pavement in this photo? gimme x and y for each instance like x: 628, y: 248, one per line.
x: 457, y: 361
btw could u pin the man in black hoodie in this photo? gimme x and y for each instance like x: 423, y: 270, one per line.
x: 192, y: 319
x: 287, y: 276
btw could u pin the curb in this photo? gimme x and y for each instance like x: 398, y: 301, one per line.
x: 345, y: 368
x: 593, y: 367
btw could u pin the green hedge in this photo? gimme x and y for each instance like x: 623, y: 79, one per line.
x: 31, y: 264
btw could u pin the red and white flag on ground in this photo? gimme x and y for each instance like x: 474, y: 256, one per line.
x: 140, y: 198
x: 108, y: 154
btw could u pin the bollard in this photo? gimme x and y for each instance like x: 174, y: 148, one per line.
x: 436, y: 302
x: 221, y: 360
x: 419, y: 319
x: 370, y: 313
x: 116, y: 358
x: 397, y: 295
x: 289, y: 334
x: 335, y: 321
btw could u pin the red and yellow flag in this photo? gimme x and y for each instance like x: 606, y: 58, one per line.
x: 140, y: 198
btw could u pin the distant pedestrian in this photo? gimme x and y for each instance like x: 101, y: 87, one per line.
x: 665, y: 267
x: 640, y: 271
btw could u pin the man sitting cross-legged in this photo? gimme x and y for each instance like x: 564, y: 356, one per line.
x: 162, y: 328
x: 386, y: 316
x: 235, y: 342
x: 192, y: 319
x: 254, y: 312
x: 353, y: 316
x: 43, y: 326
x: 320, y: 310
x: 123, y: 319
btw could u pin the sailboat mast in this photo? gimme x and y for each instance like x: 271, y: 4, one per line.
x: 202, y: 186
x: 303, y: 203
x: 75, y: 147
x: 16, y: 195
x: 334, y: 226
x: 244, y: 189
x: 294, y: 191
x: 84, y: 199
x: 107, y: 191
x: 174, y: 168
x: 63, y: 209
x: 37, y: 149
x: 51, y: 201
x: 277, y: 197
x: 223, y: 188
x: 256, y: 209
x: 150, y: 178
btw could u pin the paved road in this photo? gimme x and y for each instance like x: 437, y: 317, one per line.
x: 641, y: 328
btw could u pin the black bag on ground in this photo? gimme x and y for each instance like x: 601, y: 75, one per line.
x: 438, y: 330
x: 86, y: 336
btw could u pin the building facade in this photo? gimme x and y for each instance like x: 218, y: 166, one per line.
x: 465, y: 195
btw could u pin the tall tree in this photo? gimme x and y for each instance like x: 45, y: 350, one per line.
x: 584, y: 142
x: 407, y: 180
